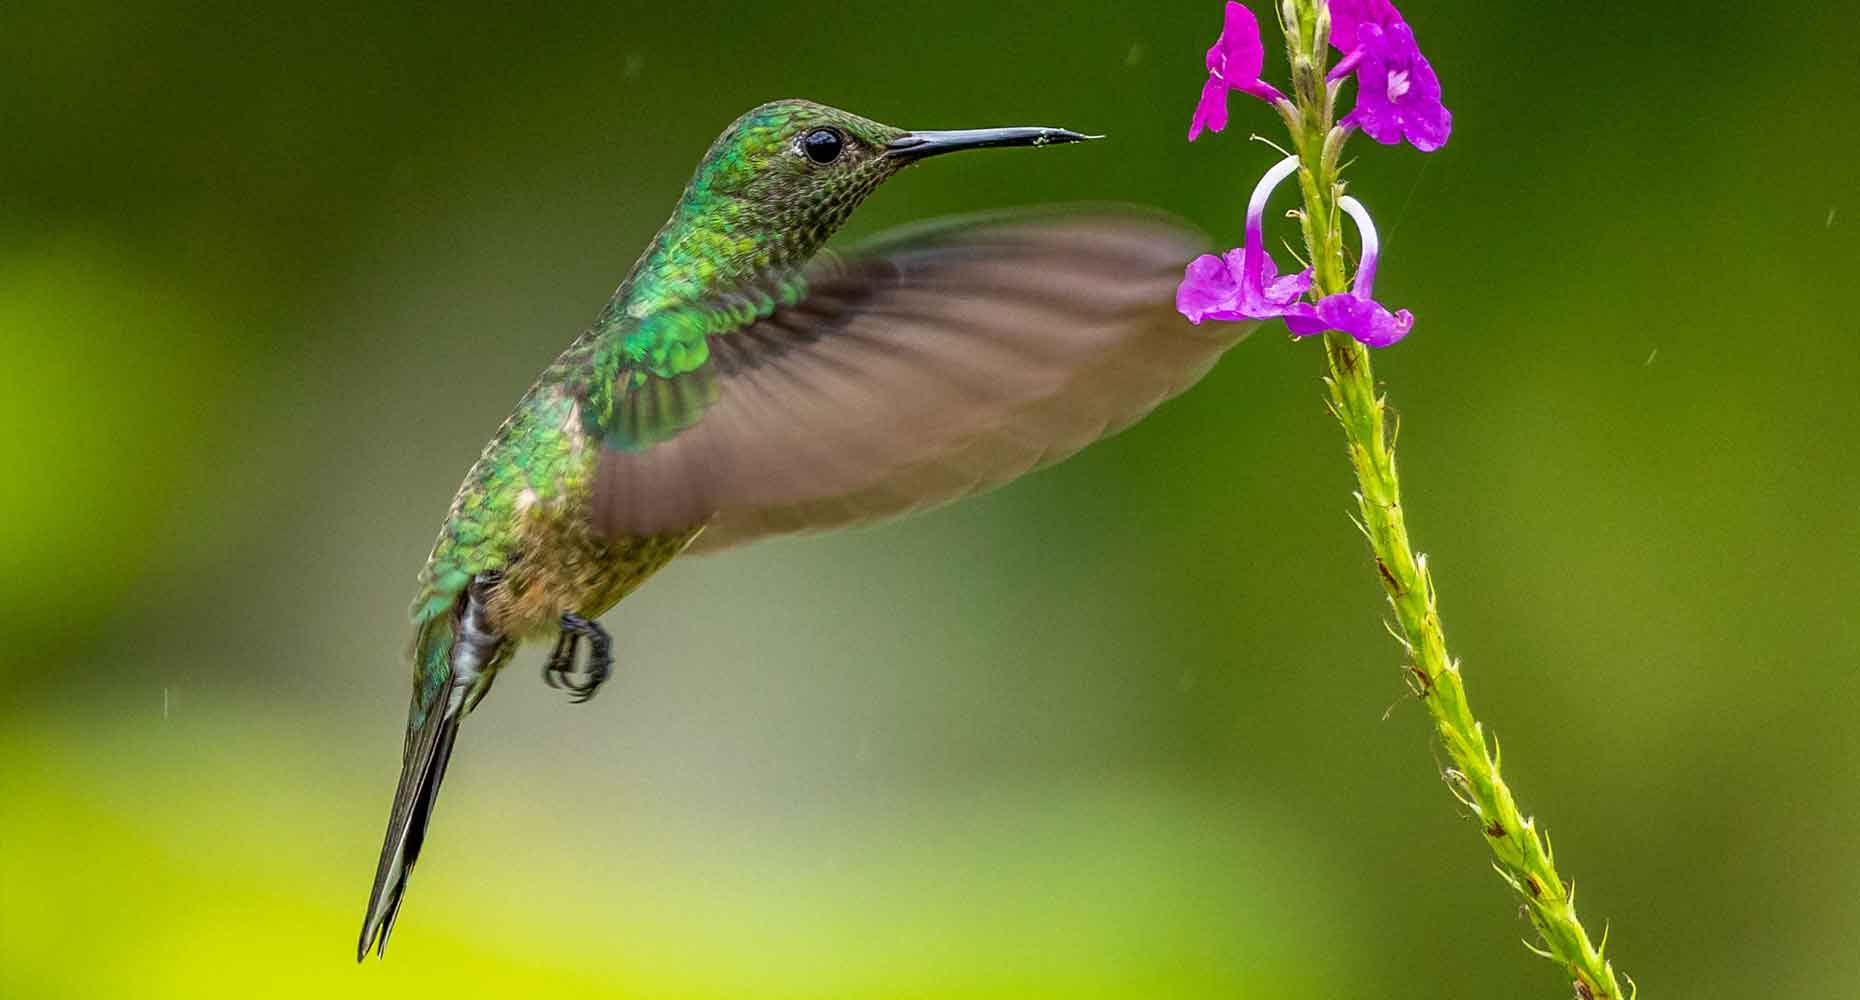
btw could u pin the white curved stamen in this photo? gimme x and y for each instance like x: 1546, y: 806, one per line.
x: 1372, y: 247
x: 1253, y: 256
x: 1256, y: 207
x: 1398, y: 85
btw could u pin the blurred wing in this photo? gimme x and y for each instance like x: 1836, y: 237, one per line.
x: 930, y: 365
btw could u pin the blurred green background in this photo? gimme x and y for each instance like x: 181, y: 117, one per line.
x: 271, y: 273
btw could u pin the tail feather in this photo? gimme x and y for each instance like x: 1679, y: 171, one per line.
x: 455, y: 656
x: 428, y: 750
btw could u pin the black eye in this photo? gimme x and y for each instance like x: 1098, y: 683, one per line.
x: 822, y: 145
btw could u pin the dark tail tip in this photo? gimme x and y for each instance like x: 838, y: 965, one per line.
x: 382, y: 912
x: 421, y: 773
x: 379, y: 922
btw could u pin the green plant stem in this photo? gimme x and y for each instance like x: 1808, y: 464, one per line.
x: 1521, y: 854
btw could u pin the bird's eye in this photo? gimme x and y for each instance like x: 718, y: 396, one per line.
x: 822, y: 145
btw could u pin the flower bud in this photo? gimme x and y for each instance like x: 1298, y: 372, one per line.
x: 1307, y: 82
x: 1320, y: 32
x: 1333, y: 147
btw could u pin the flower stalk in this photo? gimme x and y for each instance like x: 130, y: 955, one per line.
x: 1522, y: 855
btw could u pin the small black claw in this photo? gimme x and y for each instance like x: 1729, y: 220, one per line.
x: 600, y: 665
x: 560, y: 667
x: 561, y: 661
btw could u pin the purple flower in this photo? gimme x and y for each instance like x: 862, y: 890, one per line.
x: 1210, y: 289
x: 1348, y: 15
x: 1245, y: 283
x: 1233, y: 64
x: 1354, y: 312
x: 1397, y: 91
x: 1221, y: 288
x: 1362, y: 318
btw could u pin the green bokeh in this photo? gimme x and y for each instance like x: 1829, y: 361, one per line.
x: 269, y: 275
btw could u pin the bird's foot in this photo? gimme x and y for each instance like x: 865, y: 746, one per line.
x: 559, y: 669
x: 561, y: 661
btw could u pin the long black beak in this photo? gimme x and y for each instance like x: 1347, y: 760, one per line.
x: 913, y: 146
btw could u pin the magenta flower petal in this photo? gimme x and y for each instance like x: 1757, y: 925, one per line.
x: 1233, y: 63
x: 1221, y: 288
x: 1348, y: 15
x: 1362, y: 318
x: 1281, y: 291
x: 1397, y: 91
x: 1208, y: 290
x: 1239, y: 54
x: 1264, y: 293
x: 1211, y: 110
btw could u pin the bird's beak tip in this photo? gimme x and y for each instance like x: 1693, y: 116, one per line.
x: 917, y: 145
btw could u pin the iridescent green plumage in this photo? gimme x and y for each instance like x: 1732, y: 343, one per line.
x: 741, y: 383
x: 738, y: 224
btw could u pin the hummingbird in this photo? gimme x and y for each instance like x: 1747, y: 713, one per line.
x: 743, y: 382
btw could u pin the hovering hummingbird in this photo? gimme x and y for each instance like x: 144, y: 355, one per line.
x: 742, y: 383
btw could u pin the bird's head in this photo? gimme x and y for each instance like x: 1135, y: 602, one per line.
x: 781, y: 178
x: 797, y: 163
